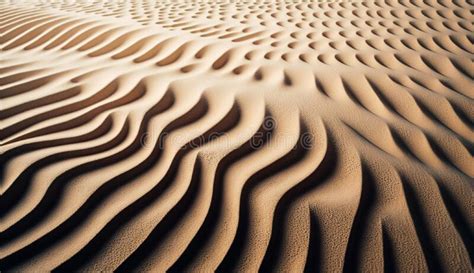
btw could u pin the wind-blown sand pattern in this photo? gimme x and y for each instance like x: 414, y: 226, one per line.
x: 334, y: 136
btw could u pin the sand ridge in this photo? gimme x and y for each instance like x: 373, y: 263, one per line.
x: 237, y: 136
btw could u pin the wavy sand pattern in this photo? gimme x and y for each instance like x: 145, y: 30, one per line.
x: 211, y: 136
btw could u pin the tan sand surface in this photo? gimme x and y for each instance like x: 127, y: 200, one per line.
x: 237, y: 136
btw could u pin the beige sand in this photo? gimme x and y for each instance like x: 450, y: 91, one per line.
x: 200, y: 136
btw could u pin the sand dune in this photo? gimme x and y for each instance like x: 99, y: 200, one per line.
x: 248, y: 136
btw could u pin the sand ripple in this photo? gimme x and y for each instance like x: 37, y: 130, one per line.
x: 274, y: 137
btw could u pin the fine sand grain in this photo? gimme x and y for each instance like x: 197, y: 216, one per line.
x: 333, y: 136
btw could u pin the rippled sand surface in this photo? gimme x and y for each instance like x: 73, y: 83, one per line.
x: 333, y: 136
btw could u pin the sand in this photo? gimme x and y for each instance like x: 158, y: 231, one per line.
x: 333, y: 136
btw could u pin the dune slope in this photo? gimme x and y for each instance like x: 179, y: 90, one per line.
x: 333, y: 136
